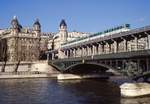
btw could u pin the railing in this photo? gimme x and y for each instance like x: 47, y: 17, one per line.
x: 98, y: 38
x: 125, y: 26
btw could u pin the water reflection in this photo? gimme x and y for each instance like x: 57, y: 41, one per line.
x: 144, y: 100
x: 48, y: 91
x: 93, y: 91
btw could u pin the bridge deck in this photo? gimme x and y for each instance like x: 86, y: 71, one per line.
x: 121, y: 55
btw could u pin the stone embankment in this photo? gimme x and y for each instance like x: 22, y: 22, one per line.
x: 39, y: 69
x: 73, y: 76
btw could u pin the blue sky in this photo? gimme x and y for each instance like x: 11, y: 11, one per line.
x: 80, y: 15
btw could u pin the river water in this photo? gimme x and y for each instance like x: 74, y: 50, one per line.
x: 51, y: 91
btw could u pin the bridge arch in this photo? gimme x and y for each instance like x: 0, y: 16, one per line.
x: 82, y: 68
x: 85, y: 68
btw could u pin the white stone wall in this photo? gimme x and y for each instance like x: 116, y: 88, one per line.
x: 10, y: 67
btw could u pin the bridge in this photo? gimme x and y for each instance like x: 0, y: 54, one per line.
x: 117, y: 50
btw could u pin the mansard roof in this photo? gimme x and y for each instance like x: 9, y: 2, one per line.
x: 63, y: 23
x: 15, y: 23
x: 37, y: 22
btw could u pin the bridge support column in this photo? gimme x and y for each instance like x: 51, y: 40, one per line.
x: 107, y: 48
x: 71, y: 53
x: 110, y: 48
x: 89, y: 50
x: 99, y: 48
x: 48, y: 57
x: 86, y: 51
x: 67, y: 52
x: 147, y: 40
x: 136, y: 43
x: 74, y: 52
x: 125, y: 45
x: 53, y: 56
x: 78, y: 52
x: 82, y: 51
x: 94, y: 50
x: 115, y: 46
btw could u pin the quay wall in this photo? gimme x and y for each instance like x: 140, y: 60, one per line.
x: 10, y: 66
x: 40, y: 66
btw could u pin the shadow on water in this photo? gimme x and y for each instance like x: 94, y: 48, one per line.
x: 93, y: 91
x: 143, y: 100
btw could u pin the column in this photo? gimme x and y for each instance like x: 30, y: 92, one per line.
x: 125, y: 45
x: 107, y: 48
x: 77, y: 52
x: 147, y: 40
x: 115, y: 46
x: 136, y: 43
x: 53, y: 56
x: 86, y: 51
x: 47, y: 56
x: 67, y: 52
x: 89, y: 50
x: 99, y: 48
x: 146, y: 44
x: 71, y: 53
x: 74, y: 51
x: 93, y: 49
x: 82, y: 49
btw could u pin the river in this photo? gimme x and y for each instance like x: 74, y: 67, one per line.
x: 51, y: 91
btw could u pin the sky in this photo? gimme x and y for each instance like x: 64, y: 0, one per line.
x: 80, y: 15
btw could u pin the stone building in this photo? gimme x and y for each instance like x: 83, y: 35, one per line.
x: 30, y: 44
x: 63, y: 37
x: 21, y: 44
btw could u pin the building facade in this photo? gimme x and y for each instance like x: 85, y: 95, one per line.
x: 30, y: 44
x: 61, y: 38
x: 21, y: 44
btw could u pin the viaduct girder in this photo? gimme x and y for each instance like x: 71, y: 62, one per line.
x: 121, y: 51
